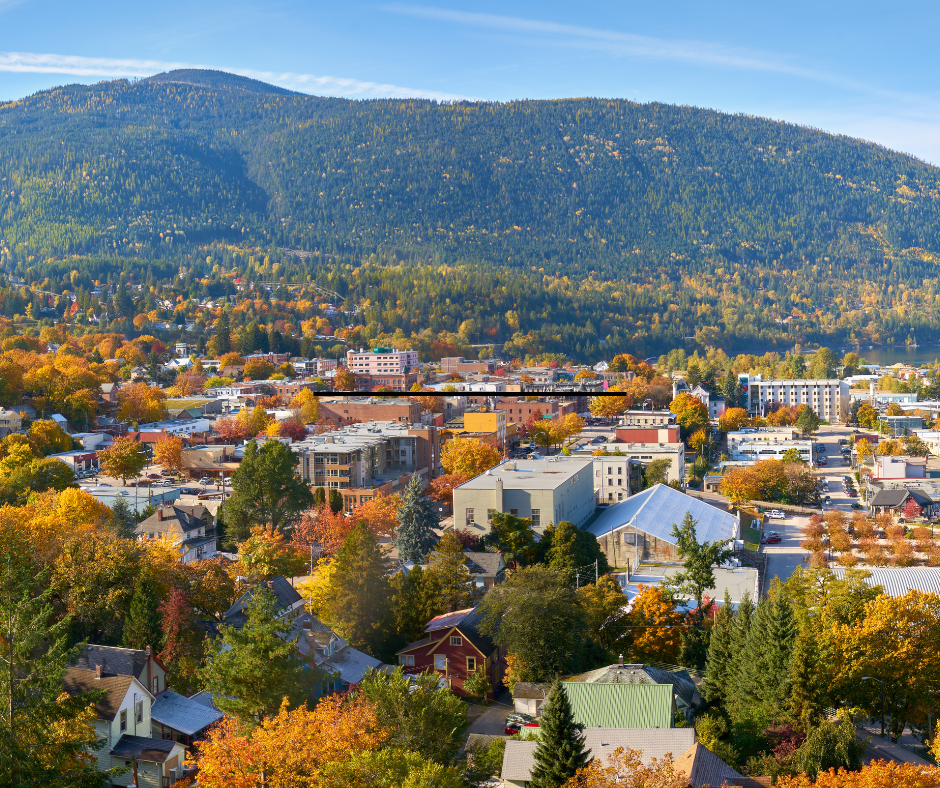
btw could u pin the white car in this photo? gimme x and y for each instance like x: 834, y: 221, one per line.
x: 776, y: 514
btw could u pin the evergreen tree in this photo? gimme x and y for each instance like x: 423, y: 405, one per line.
x: 251, y: 670
x: 719, y: 662
x: 560, y: 751
x: 122, y: 521
x: 33, y: 659
x: 336, y: 501
x: 360, y: 608
x: 416, y: 599
x: 415, y: 536
x: 142, y: 626
x: 153, y: 366
x: 733, y: 391
x: 319, y: 498
x: 762, y: 683
x: 223, y: 333
x: 806, y: 688
x: 449, y: 575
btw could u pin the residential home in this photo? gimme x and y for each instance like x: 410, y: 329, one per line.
x: 122, y: 720
x: 904, y: 503
x: 11, y: 420
x: 142, y: 664
x: 190, y: 528
x: 530, y: 697
x: 486, y: 569
x: 684, y: 690
x: 702, y: 768
x: 178, y: 718
x: 453, y: 648
x: 605, y: 705
x: 640, y: 528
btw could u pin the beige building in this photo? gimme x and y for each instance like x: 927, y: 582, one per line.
x: 381, y: 361
x: 11, y: 420
x: 829, y: 399
x: 612, y: 471
x: 549, y: 490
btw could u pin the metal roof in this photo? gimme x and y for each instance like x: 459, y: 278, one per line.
x: 621, y: 705
x: 447, y: 620
x: 350, y: 664
x: 182, y: 714
x: 897, y: 581
x: 519, y: 757
x: 656, y: 510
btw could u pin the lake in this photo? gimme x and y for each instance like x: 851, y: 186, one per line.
x: 887, y: 355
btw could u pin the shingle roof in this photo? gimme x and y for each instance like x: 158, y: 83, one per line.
x: 189, y: 518
x: 284, y: 594
x: 519, y: 757
x: 119, y: 661
x: 621, y: 705
x: 893, y: 498
x: 151, y: 750
x: 182, y: 714
x: 488, y: 564
x: 657, y: 509
x: 79, y: 680
x: 350, y: 664
x: 704, y: 768
x: 531, y: 690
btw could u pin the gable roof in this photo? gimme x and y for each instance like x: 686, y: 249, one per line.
x: 182, y: 714
x: 621, y: 705
x: 682, y: 684
x: 656, y: 510
x: 897, y: 497
x: 531, y: 690
x: 79, y: 680
x: 189, y: 518
x: 488, y: 564
x: 144, y: 749
x: 284, y: 594
x: 350, y: 664
x: 114, y: 660
x: 519, y: 756
x: 704, y: 768
x: 467, y: 621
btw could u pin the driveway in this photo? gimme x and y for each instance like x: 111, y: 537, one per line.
x: 492, y: 719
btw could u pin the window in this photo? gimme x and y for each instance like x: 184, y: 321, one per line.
x: 156, y: 685
x: 456, y: 640
x: 536, y: 518
x: 139, y: 711
x: 610, y: 496
x: 489, y: 515
x: 440, y: 662
x: 514, y: 512
x: 470, y: 517
x: 123, y: 720
x: 407, y: 660
x: 471, y: 664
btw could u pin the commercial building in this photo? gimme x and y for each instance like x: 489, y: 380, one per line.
x: 381, y: 361
x: 900, y: 467
x: 396, y: 381
x: 489, y: 426
x: 461, y: 366
x: 770, y: 450
x: 609, y: 469
x: 371, y: 409
x: 649, y: 434
x: 829, y: 399
x: 647, y: 418
x: 904, y: 425
x: 520, y: 411
x: 761, y: 435
x: 548, y: 490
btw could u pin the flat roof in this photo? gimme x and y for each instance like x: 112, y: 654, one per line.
x: 526, y: 474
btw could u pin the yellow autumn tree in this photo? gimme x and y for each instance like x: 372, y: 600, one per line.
x: 469, y: 457
x: 625, y: 768
x: 877, y: 774
x: 168, y: 452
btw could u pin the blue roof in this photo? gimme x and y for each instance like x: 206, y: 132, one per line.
x: 657, y: 509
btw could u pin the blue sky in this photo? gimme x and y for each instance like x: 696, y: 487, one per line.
x: 865, y: 69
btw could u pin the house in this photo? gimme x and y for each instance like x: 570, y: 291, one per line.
x: 606, y: 705
x: 290, y: 604
x: 454, y: 648
x: 696, y: 762
x: 142, y: 664
x: 685, y: 693
x: 529, y: 697
x: 122, y: 720
x: 11, y: 419
x: 486, y: 569
x: 177, y: 718
x: 191, y: 529
x: 714, y: 403
x: 904, y: 503
x: 640, y: 528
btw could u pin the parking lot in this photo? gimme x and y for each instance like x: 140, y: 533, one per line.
x: 151, y: 480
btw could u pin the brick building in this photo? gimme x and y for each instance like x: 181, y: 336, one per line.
x: 372, y: 409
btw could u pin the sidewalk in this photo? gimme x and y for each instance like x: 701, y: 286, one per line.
x: 883, y: 749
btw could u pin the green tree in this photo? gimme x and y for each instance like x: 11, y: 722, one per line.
x: 123, y: 459
x: 319, y: 497
x: 719, y: 662
x: 266, y: 492
x: 415, y: 600
x: 417, y: 519
x: 574, y: 551
x: 142, y: 626
x: 560, y: 752
x: 223, y: 333
x: 122, y: 522
x: 808, y: 421
x: 830, y: 745
x: 807, y: 682
x: 422, y: 718
x: 513, y: 537
x: 250, y: 670
x: 792, y: 456
x: 360, y: 609
x: 535, y: 615
x: 388, y: 768
x: 656, y: 472
x: 448, y: 572
x: 336, y: 501
x: 698, y: 562
x: 824, y: 363
x: 39, y: 738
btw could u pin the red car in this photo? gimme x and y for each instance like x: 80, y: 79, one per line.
x: 770, y: 540
x: 512, y: 728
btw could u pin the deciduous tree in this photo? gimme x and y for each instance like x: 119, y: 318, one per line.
x: 468, y: 457
x: 124, y: 459
x: 168, y: 452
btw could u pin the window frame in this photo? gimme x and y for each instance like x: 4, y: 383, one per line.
x: 471, y: 664
x: 440, y: 658
x: 456, y: 640
x: 122, y: 721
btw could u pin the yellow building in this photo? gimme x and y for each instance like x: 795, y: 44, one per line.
x: 492, y: 421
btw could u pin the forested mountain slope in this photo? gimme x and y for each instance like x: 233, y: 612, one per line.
x: 680, y: 219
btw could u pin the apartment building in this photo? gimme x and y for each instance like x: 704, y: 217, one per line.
x: 650, y: 434
x: 549, y: 490
x: 381, y: 361
x: 520, y: 411
x: 372, y: 409
x: 828, y: 398
x: 647, y: 418
x: 610, y: 468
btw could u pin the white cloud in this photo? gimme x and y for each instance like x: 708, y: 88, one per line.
x: 79, y: 66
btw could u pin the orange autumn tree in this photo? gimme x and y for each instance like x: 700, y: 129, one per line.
x: 658, y: 636
x: 878, y: 774
x: 168, y: 452
x: 324, y: 529
x: 442, y: 487
x: 626, y: 769
x: 380, y: 514
x: 290, y: 748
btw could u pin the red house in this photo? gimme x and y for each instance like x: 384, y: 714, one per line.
x: 454, y: 648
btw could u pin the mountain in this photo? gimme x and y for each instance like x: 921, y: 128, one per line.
x: 644, y: 226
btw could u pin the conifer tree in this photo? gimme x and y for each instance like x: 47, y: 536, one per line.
x: 122, y: 520
x: 142, y: 626
x: 718, y: 665
x: 223, y: 333
x: 415, y: 536
x: 360, y: 608
x: 740, y: 629
x: 763, y: 679
x: 336, y: 501
x: 560, y: 751
x: 319, y: 498
x: 806, y: 690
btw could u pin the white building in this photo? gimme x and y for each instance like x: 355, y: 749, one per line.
x: 829, y: 399
x: 381, y: 360
x: 770, y: 450
x: 550, y: 490
x: 612, y: 471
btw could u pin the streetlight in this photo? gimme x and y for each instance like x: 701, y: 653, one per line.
x: 881, y: 682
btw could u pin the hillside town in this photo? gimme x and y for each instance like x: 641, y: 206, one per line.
x: 266, y: 569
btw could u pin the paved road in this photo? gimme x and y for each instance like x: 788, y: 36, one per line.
x: 493, y: 719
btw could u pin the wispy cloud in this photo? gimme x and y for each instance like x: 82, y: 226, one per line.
x: 79, y: 66
x: 631, y: 44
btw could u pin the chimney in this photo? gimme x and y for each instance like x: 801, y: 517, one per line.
x: 620, y: 662
x: 97, y: 671
x: 147, y: 651
x: 271, y: 584
x: 160, y: 513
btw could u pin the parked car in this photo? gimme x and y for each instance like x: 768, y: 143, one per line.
x: 768, y: 539
x: 776, y: 514
x: 512, y: 728
x: 827, y: 500
x: 851, y: 493
x: 153, y: 475
x: 822, y: 462
x: 206, y: 480
x: 191, y: 490
x: 856, y: 505
x: 519, y: 717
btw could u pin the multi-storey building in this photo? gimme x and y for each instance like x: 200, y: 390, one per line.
x: 647, y: 418
x: 381, y: 361
x: 612, y: 470
x: 829, y: 399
